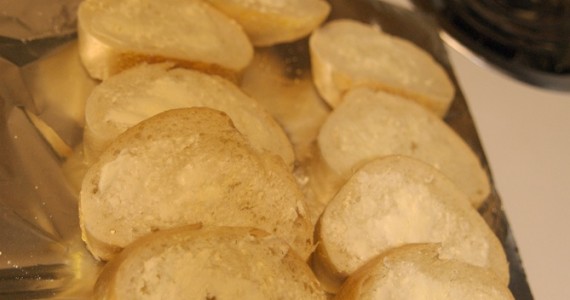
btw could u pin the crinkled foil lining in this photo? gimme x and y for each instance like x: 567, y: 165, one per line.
x: 43, y: 88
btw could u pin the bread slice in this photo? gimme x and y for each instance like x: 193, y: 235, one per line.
x: 269, y: 22
x: 143, y: 91
x: 370, y: 124
x: 394, y: 201
x: 417, y: 271
x: 187, y: 166
x: 347, y: 54
x: 115, y: 35
x: 208, y: 263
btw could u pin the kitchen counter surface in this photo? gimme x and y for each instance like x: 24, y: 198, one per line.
x: 525, y: 132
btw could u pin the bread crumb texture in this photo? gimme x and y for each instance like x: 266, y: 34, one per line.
x: 189, y: 166
x: 369, y: 57
x: 371, y: 124
x: 396, y: 201
x: 125, y: 99
x: 209, y: 263
x: 416, y: 271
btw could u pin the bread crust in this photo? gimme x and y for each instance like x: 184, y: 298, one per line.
x: 274, y: 22
x: 330, y: 277
x: 371, y: 124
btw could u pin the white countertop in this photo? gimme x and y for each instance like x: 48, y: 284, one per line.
x: 525, y: 132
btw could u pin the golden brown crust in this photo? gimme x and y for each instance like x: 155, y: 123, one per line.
x: 330, y: 277
x: 127, y: 60
x: 104, y: 250
x: 371, y: 124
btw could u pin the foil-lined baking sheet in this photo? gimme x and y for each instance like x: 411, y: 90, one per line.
x: 43, y: 88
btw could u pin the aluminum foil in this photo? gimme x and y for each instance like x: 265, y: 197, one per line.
x: 42, y: 93
x: 43, y: 88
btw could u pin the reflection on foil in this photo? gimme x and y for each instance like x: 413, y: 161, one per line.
x: 40, y: 247
x: 42, y: 85
x: 34, y: 19
x: 59, y: 85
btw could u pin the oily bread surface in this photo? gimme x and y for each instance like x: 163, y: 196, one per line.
x: 186, y: 166
x: 116, y: 35
x: 145, y: 90
x: 371, y: 124
x: 394, y: 201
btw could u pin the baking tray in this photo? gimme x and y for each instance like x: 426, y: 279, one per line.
x: 42, y: 92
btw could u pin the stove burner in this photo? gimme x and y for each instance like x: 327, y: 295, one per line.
x: 528, y: 38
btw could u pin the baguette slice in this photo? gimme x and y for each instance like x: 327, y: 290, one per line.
x: 187, y: 166
x: 117, y: 34
x: 269, y: 22
x: 143, y: 91
x: 208, y: 263
x: 417, y: 271
x: 394, y: 201
x: 347, y: 54
x: 370, y: 124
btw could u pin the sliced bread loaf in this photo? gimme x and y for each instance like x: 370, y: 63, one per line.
x: 417, y: 271
x: 347, y: 54
x: 269, y: 22
x: 369, y: 124
x: 394, y: 201
x: 143, y: 91
x: 208, y: 263
x: 117, y: 34
x: 187, y: 166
